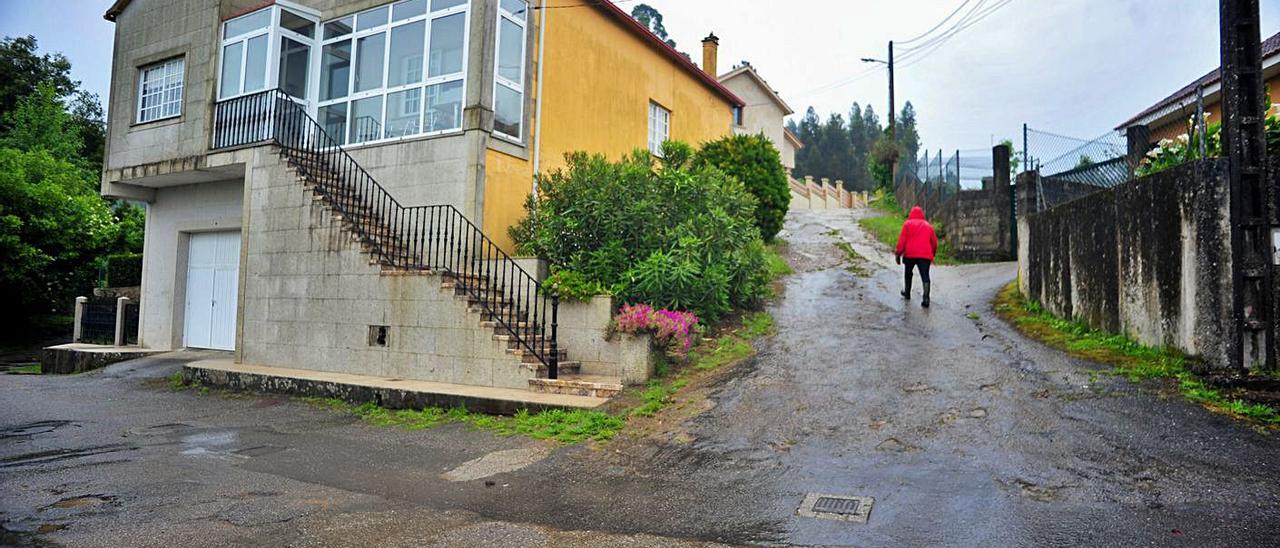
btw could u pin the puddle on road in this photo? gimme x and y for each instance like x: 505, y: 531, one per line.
x: 217, y: 443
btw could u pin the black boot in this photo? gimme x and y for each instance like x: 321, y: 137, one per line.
x: 906, y: 293
x: 925, y: 302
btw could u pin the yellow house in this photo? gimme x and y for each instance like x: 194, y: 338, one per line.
x: 603, y: 84
x: 1168, y: 118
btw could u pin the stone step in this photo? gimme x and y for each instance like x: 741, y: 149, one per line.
x: 578, y: 385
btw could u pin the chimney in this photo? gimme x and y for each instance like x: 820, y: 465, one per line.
x: 710, y: 45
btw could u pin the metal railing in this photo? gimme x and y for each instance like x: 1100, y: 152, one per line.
x: 435, y: 237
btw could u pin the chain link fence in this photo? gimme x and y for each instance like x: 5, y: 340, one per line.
x: 1073, y: 167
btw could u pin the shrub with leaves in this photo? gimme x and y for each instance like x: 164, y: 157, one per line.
x: 681, y: 238
x: 572, y: 285
x: 753, y: 160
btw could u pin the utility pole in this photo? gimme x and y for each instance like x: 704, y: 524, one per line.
x: 893, y: 128
x: 1252, y: 206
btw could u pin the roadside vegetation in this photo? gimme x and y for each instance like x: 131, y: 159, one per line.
x: 1127, y: 357
x: 885, y: 228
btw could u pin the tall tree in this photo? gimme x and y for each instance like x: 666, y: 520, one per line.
x: 908, y: 138
x: 650, y: 17
x: 22, y: 70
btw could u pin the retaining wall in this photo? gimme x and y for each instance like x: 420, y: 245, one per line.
x: 1150, y: 258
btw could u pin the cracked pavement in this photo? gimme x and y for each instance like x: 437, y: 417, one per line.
x: 962, y: 431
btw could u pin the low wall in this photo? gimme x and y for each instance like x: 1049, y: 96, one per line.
x: 976, y: 223
x: 1150, y: 258
x: 584, y: 329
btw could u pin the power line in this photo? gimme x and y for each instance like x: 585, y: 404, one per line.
x: 940, y: 23
x: 919, y: 53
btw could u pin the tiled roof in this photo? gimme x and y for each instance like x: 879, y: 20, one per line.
x: 1270, y: 47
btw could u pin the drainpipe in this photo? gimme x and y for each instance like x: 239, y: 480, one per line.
x: 537, y: 109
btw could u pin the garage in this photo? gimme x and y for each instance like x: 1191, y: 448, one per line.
x: 213, y: 278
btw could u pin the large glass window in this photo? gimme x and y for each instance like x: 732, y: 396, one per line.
x: 160, y: 90
x: 408, y: 72
x: 388, y: 72
x: 244, y: 54
x: 508, y: 82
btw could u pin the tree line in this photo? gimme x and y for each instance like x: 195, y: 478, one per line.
x: 55, y: 228
x: 856, y: 150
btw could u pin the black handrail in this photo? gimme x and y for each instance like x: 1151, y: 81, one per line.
x: 434, y: 237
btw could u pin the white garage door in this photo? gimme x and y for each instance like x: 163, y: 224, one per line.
x: 213, y: 277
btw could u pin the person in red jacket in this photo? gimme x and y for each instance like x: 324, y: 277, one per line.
x: 917, y: 245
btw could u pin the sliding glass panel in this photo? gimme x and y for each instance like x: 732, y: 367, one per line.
x: 437, y: 5
x: 405, y: 10
x: 247, y: 23
x: 341, y: 27
x: 297, y: 23
x: 507, y: 109
x: 255, y: 64
x: 294, y: 60
x: 369, y: 52
x: 445, y: 54
x: 510, y: 50
x: 371, y: 18
x: 335, y: 70
x: 366, y: 123
x: 404, y: 108
x: 334, y: 120
x: 516, y: 7
x: 231, y: 56
x: 405, y: 65
x: 444, y: 106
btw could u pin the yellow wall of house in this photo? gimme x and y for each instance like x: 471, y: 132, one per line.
x: 508, y: 180
x: 598, y: 81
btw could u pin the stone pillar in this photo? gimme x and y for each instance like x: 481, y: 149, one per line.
x: 1003, y: 199
x: 79, y: 317
x: 121, y: 302
x: 1139, y: 142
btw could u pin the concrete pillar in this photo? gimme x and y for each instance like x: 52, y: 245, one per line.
x: 79, y: 317
x: 120, y: 304
x: 1139, y: 142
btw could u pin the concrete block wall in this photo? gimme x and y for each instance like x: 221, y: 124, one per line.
x: 150, y: 31
x: 1150, y: 258
x: 584, y: 328
x: 310, y: 297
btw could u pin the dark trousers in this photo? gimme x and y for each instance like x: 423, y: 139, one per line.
x: 921, y: 264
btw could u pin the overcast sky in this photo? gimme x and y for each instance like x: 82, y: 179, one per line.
x: 1075, y: 67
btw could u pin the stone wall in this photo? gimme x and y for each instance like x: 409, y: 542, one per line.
x: 977, y: 224
x: 1150, y: 258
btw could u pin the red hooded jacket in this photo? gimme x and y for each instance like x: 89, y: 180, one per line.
x: 917, y: 239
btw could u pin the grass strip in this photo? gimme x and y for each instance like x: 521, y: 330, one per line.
x: 1127, y: 357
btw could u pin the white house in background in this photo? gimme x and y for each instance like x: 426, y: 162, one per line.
x: 765, y: 111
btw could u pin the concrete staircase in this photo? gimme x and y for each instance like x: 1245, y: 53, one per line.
x: 491, y: 303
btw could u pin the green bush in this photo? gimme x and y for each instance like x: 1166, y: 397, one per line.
x: 573, y: 285
x: 678, y: 237
x: 124, y: 270
x: 754, y: 161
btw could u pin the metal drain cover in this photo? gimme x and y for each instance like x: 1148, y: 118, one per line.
x: 837, y: 507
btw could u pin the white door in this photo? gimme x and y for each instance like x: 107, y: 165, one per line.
x: 213, y: 278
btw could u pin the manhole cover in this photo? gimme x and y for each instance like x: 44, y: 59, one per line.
x: 837, y: 507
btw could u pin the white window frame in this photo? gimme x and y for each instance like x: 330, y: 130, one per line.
x: 498, y: 80
x: 163, y: 67
x: 243, y: 39
x: 659, y: 127
x: 385, y: 92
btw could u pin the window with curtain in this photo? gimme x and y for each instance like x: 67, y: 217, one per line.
x: 160, y: 90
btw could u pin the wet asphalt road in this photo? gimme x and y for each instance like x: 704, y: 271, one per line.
x: 963, y: 432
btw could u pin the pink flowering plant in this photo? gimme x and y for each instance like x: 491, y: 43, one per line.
x: 673, y: 329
